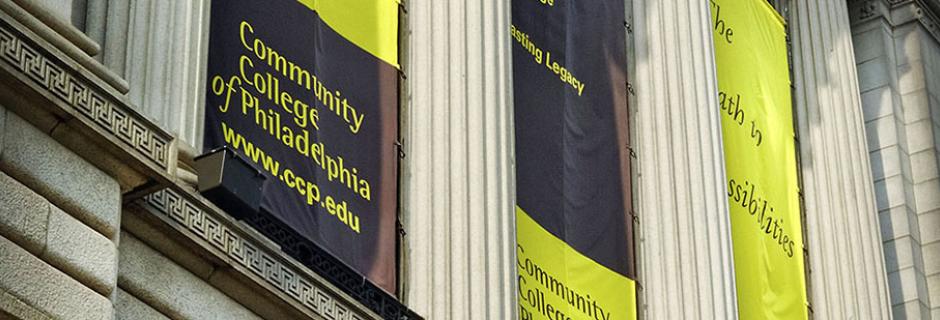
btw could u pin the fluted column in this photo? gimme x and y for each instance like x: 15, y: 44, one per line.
x: 457, y: 188
x: 847, y: 274
x: 160, y: 48
x: 685, y: 258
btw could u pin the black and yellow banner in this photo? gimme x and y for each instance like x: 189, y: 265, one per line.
x: 308, y: 91
x: 574, y: 228
x: 760, y: 156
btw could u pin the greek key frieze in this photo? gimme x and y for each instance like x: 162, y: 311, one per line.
x: 263, y: 265
x: 91, y: 102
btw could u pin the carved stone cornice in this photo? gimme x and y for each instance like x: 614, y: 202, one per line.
x: 44, y: 85
x: 897, y: 12
x: 928, y: 17
x: 217, y: 235
x: 865, y: 10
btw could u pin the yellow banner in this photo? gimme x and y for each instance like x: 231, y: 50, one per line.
x: 760, y: 157
x: 557, y: 282
x: 370, y: 24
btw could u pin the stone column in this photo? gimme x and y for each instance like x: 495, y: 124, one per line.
x: 457, y: 175
x: 845, y: 261
x: 898, y: 59
x: 160, y: 48
x: 685, y: 259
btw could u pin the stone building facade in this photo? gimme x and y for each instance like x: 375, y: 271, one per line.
x: 101, y: 105
x: 897, y: 53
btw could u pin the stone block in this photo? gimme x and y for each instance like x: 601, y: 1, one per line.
x: 904, y: 160
x: 877, y: 103
x: 910, y: 310
x: 896, y: 223
x: 923, y: 293
x: 128, y: 307
x: 927, y: 198
x: 77, y: 141
x: 81, y: 252
x: 903, y: 285
x: 885, y: 163
x: 23, y: 215
x: 47, y: 289
x: 873, y: 74
x: 132, y: 222
x: 169, y: 288
x: 918, y: 136
x: 13, y: 308
x: 61, y: 176
x: 869, y: 44
x: 915, y: 106
x: 931, y: 252
x: 924, y: 166
x: 935, y: 104
x: 899, y: 253
x: 881, y: 133
x: 889, y: 193
x: 929, y: 226
x: 907, y: 44
x: 911, y: 77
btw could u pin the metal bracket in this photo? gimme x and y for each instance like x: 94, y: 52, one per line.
x: 399, y: 145
x: 401, y: 228
x: 402, y: 7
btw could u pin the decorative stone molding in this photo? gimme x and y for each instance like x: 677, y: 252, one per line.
x: 866, y: 10
x: 161, y: 48
x: 928, y: 18
x: 897, y: 12
x: 73, y: 94
x: 259, y: 261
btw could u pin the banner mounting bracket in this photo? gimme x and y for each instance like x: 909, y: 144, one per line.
x: 399, y: 146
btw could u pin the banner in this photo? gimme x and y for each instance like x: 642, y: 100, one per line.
x: 574, y: 228
x: 308, y: 91
x: 760, y: 158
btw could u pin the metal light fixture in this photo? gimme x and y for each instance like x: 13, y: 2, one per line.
x: 230, y: 182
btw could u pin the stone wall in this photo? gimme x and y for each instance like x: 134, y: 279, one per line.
x: 898, y: 61
x: 67, y: 254
x: 59, y: 221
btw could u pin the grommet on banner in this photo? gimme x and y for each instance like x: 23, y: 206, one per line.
x: 628, y: 27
